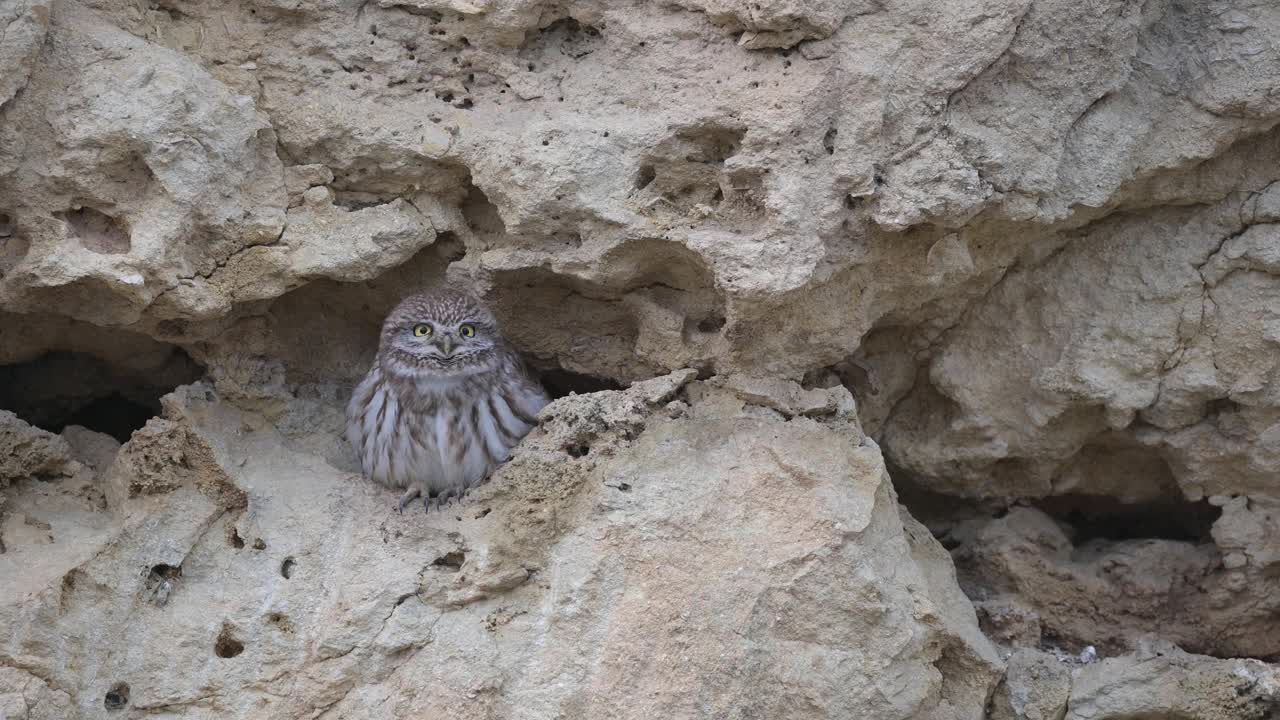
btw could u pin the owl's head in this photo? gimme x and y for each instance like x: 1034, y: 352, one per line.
x: 442, y: 332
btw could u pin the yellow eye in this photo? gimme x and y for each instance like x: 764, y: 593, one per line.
x: 467, y: 331
x: 422, y: 330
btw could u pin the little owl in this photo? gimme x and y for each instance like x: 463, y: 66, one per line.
x: 445, y: 401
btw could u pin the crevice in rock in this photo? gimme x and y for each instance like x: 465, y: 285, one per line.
x: 1105, y: 518
x: 565, y: 36
x: 117, y: 697
x: 1074, y: 570
x: 161, y: 582
x: 687, y: 170
x: 481, y: 215
x: 559, y: 383
x: 64, y: 388
x: 98, y: 231
x: 451, y: 560
x: 227, y: 646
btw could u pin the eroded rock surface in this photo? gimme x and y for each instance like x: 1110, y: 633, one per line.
x: 670, y: 550
x: 1037, y: 241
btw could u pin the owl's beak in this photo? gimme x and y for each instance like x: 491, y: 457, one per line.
x: 446, y: 345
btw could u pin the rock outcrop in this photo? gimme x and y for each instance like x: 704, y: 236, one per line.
x: 1024, y: 255
x: 670, y: 550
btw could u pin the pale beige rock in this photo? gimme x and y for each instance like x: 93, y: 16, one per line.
x: 1035, y: 241
x: 1037, y: 686
x: 29, y: 452
x: 1171, y: 683
x: 1112, y: 593
x: 828, y: 602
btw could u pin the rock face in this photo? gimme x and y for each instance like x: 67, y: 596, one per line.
x: 667, y: 551
x: 1030, y: 249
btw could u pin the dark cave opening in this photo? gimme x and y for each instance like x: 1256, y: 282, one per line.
x: 63, y: 388
x: 559, y: 383
x: 1093, y: 517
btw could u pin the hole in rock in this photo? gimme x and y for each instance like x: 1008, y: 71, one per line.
x: 162, y: 571
x: 161, y: 581
x: 280, y: 621
x: 286, y: 567
x: 117, y: 697
x: 452, y: 560
x: 70, y: 388
x: 578, y: 451
x: 1106, y: 518
x: 233, y: 537
x: 829, y: 141
x: 259, y: 544
x: 6, y: 226
x: 227, y: 646
x: 560, y: 383
x: 450, y: 247
x: 711, y: 324
x: 98, y: 231
x: 645, y: 176
x: 481, y: 214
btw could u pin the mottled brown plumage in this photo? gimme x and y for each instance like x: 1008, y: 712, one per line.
x: 445, y: 401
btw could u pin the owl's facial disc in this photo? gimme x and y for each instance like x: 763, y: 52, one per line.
x: 449, y: 344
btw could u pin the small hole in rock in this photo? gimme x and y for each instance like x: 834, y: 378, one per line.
x: 162, y: 571
x: 829, y: 141
x: 578, y: 451
x: 233, y: 537
x: 286, y: 567
x: 227, y: 646
x: 711, y: 324
x: 117, y: 697
x: 161, y: 581
x: 98, y: 231
x: 645, y: 176
x: 280, y: 621
x: 6, y: 226
x: 451, y: 560
x: 258, y: 544
x: 560, y: 383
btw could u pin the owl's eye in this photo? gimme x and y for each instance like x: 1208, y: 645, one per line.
x: 467, y: 331
x: 421, y: 330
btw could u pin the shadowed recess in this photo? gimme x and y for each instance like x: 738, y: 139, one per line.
x: 560, y: 383
x: 1106, y: 518
x: 70, y: 388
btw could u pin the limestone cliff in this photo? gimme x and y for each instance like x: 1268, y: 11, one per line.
x: 915, y: 359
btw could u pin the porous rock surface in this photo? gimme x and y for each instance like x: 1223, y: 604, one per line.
x: 703, y: 557
x: 1034, y: 245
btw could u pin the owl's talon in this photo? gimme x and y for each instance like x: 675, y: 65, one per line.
x: 407, y: 498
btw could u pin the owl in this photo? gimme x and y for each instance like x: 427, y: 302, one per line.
x: 445, y: 401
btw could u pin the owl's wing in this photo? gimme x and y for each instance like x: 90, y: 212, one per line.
x: 361, y: 400
x: 525, y: 394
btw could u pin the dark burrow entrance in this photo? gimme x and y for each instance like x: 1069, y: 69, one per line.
x: 1106, y: 518
x: 71, y: 388
x: 559, y: 383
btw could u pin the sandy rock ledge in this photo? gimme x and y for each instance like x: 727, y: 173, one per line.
x: 672, y: 550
